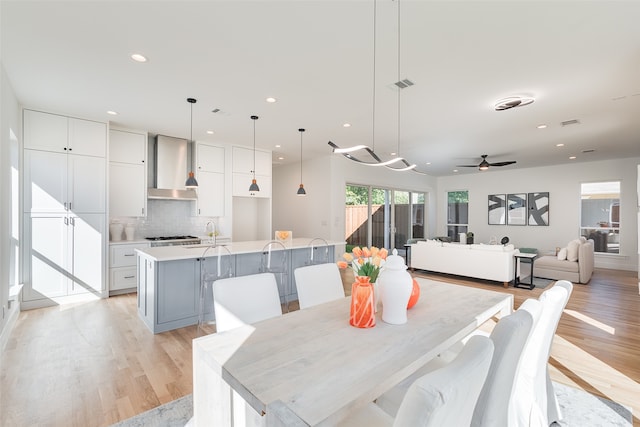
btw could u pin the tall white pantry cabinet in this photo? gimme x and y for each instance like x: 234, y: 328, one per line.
x: 65, y: 193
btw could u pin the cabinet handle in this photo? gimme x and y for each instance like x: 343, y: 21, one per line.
x: 129, y: 254
x: 69, y: 205
x: 70, y: 148
x: 129, y: 277
x: 66, y: 221
x: 72, y: 221
x: 64, y: 148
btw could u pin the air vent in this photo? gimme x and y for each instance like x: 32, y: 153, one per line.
x: 570, y: 122
x: 215, y: 110
x: 512, y: 102
x: 404, y: 83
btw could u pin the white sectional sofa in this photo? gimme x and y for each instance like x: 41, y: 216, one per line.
x: 489, y: 262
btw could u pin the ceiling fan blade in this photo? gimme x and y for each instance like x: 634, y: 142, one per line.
x: 466, y: 166
x: 502, y: 163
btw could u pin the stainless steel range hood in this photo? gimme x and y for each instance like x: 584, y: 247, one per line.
x: 170, y: 159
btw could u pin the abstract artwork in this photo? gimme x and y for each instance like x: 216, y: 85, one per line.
x: 497, y: 209
x: 517, y: 209
x: 538, y: 208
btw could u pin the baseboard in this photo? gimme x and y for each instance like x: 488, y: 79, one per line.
x: 12, y: 318
x: 69, y: 299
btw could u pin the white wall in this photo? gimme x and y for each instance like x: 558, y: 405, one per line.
x: 563, y: 184
x: 10, y: 128
x: 321, y: 212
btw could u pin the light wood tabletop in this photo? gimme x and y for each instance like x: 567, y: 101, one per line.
x: 310, y: 367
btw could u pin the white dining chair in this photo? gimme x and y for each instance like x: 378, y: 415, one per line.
x: 244, y: 300
x: 211, y: 269
x: 317, y: 284
x: 509, y: 337
x: 444, y: 397
x: 533, y: 393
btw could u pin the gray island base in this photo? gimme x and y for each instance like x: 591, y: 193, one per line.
x: 169, y: 277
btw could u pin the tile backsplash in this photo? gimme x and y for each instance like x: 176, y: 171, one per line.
x: 167, y: 218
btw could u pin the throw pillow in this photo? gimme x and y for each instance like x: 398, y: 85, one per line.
x: 572, y: 250
x: 562, y: 254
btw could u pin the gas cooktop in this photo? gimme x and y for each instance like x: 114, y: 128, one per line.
x: 171, y: 238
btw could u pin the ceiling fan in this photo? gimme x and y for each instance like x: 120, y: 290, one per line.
x: 484, y: 164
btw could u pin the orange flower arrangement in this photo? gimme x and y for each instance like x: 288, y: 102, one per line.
x: 365, y: 261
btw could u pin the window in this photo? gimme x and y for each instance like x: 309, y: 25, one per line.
x: 600, y: 215
x: 457, y: 213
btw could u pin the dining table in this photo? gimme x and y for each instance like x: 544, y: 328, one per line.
x: 312, y: 368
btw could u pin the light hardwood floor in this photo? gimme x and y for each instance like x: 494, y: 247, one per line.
x: 94, y: 364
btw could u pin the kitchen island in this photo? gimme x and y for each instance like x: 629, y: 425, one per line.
x: 169, y: 276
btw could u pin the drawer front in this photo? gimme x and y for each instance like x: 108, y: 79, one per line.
x: 123, y: 278
x: 124, y: 255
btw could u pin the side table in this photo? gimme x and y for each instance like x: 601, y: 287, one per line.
x: 527, y: 259
x: 407, y: 248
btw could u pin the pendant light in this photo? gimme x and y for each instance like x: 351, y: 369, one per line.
x: 377, y: 161
x: 191, y: 181
x: 301, y: 191
x: 254, y: 183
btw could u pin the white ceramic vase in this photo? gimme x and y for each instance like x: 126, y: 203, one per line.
x: 395, y: 285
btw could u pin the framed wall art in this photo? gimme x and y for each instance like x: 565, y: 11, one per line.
x: 517, y: 209
x: 538, y: 212
x: 497, y: 209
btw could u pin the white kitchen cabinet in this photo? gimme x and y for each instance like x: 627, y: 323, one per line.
x: 243, y: 160
x: 210, y: 174
x: 64, y: 195
x: 57, y: 182
x: 57, y: 133
x: 241, y: 183
x: 127, y: 146
x: 127, y: 173
x: 209, y: 158
x: 127, y: 189
x: 210, y: 194
x: 66, y: 255
x: 123, y: 273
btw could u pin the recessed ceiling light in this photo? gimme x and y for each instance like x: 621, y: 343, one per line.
x: 346, y: 125
x: 572, y: 158
x: 112, y: 113
x: 428, y: 163
x: 542, y: 126
x: 393, y: 153
x: 138, y: 57
x: 270, y: 100
x: 210, y: 132
x: 560, y: 145
x: 455, y: 170
x: 278, y: 145
x: 281, y: 158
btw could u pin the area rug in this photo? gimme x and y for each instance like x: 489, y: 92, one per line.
x: 580, y: 409
x: 538, y: 282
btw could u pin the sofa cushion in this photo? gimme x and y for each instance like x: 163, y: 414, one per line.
x: 493, y: 248
x: 572, y: 250
x: 562, y: 254
x: 554, y: 263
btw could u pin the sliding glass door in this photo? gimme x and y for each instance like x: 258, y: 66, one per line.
x: 383, y: 217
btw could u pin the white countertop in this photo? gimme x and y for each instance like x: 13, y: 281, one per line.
x: 128, y: 242
x: 171, y: 253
